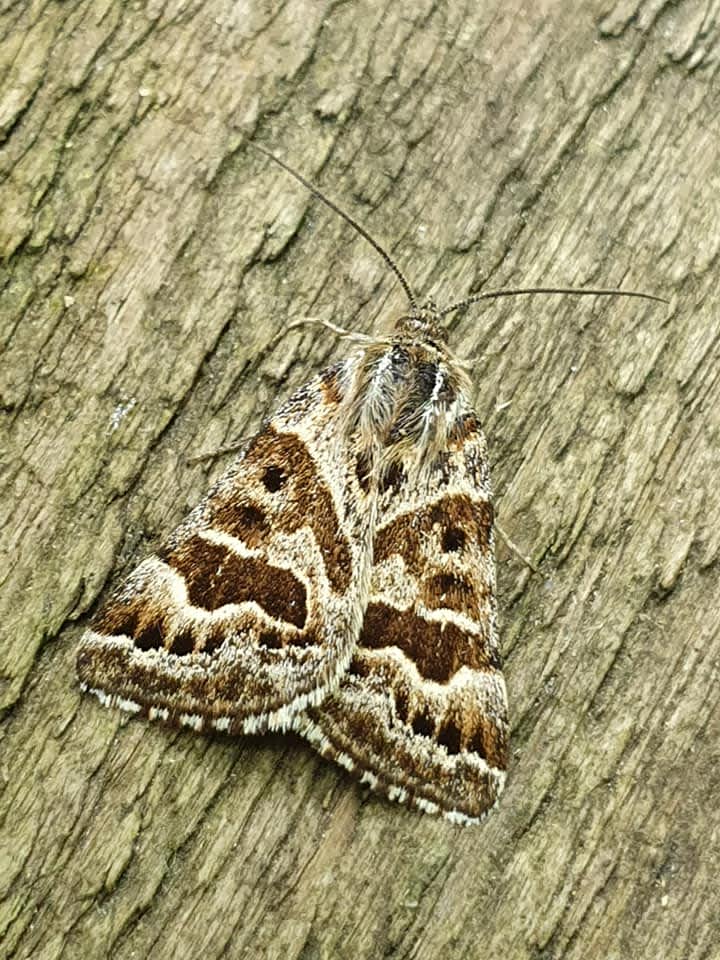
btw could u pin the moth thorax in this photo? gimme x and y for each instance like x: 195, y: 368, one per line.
x: 406, y: 399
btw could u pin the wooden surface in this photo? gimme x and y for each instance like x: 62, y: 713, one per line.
x: 150, y: 258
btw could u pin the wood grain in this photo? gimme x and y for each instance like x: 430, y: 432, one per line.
x: 150, y: 259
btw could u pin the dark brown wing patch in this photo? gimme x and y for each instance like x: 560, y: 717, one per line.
x: 437, y: 649
x: 215, y: 576
x: 252, y: 609
x: 421, y: 714
x: 291, y: 494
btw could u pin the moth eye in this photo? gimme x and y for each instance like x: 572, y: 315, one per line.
x: 274, y: 478
x: 453, y: 539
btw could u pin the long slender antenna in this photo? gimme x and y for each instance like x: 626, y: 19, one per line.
x: 346, y: 216
x: 485, y: 295
x: 577, y: 291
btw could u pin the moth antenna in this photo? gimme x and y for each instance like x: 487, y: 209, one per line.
x: 577, y: 291
x: 348, y: 219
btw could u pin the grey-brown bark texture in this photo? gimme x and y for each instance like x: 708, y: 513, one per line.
x: 150, y: 259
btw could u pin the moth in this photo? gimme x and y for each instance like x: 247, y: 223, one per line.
x: 338, y: 581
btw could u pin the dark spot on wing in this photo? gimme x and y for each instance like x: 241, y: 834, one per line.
x: 278, y: 459
x: 149, y: 637
x: 393, y: 478
x: 453, y: 539
x: 274, y: 478
x: 423, y: 724
x: 270, y: 640
x: 450, y: 737
x: 183, y: 642
x: 490, y: 741
x: 445, y: 591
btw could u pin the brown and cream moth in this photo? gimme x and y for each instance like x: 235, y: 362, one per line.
x: 338, y: 581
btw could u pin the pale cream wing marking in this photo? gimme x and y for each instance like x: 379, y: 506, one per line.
x: 253, y: 607
x: 421, y: 715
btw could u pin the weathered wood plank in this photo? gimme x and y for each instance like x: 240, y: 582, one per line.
x: 149, y: 261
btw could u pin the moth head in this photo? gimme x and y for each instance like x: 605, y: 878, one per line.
x: 423, y: 324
